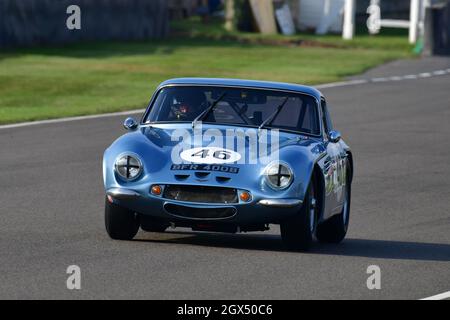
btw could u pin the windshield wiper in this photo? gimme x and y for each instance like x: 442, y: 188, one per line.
x: 272, y: 117
x: 207, y: 111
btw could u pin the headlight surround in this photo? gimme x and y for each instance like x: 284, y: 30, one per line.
x: 128, y: 166
x: 278, y: 175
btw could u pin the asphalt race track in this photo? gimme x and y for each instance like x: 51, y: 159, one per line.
x: 51, y: 209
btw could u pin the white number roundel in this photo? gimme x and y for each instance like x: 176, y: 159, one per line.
x: 210, y: 155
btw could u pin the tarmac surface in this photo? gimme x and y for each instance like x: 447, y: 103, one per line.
x: 52, y: 202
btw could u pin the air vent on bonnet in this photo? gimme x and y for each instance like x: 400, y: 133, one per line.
x: 201, y: 174
x: 181, y: 177
x: 222, y: 179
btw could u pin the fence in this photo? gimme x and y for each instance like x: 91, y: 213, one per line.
x: 34, y: 22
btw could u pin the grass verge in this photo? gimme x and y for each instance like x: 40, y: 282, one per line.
x: 81, y: 79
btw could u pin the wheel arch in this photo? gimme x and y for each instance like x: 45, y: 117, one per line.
x: 318, y: 177
x: 350, y: 160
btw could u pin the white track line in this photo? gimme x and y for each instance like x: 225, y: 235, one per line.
x: 95, y: 116
x: 341, y: 84
x: 425, y: 75
x: 385, y: 79
x: 321, y: 86
x: 396, y: 78
x: 442, y: 296
x: 439, y: 72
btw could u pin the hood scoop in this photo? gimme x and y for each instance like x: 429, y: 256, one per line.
x: 202, y: 174
x: 223, y: 179
x: 181, y: 177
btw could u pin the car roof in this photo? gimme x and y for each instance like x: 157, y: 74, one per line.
x: 244, y: 83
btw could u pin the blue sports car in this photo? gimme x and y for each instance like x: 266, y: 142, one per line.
x: 224, y: 155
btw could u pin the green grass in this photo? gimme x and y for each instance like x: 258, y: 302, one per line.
x: 52, y: 82
x: 387, y: 39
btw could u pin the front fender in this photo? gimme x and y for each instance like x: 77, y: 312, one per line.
x: 153, y: 157
x: 302, y: 160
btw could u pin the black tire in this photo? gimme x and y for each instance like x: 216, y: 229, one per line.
x: 149, y: 224
x: 297, y: 232
x: 335, y: 229
x: 120, y: 223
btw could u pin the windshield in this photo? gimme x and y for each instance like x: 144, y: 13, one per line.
x: 236, y: 106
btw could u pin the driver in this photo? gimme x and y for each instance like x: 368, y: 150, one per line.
x: 188, y: 105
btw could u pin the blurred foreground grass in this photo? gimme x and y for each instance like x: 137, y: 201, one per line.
x: 52, y: 82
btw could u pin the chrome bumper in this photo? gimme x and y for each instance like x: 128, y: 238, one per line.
x: 120, y: 193
x: 280, y: 203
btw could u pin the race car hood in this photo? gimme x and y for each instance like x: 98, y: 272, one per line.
x: 166, y: 151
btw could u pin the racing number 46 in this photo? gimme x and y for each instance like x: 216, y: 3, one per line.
x: 219, y: 154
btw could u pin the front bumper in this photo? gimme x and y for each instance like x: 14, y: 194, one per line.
x: 122, y: 194
x: 258, y: 210
x: 280, y: 203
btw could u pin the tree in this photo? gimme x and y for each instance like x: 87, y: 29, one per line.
x: 229, y: 15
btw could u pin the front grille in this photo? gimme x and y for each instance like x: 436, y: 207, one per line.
x: 200, y: 213
x: 201, y: 194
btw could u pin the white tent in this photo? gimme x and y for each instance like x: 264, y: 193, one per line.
x: 321, y: 15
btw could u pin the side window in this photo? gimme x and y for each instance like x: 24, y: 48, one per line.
x: 326, y: 117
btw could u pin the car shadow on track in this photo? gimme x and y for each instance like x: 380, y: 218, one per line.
x: 386, y: 249
x: 383, y: 249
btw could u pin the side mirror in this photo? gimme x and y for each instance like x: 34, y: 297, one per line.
x: 334, y: 136
x: 130, y: 124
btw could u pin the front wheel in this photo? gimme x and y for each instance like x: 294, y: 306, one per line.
x: 120, y: 223
x: 297, y: 232
x: 335, y: 229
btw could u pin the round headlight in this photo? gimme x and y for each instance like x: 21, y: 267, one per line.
x: 278, y: 175
x: 128, y: 167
